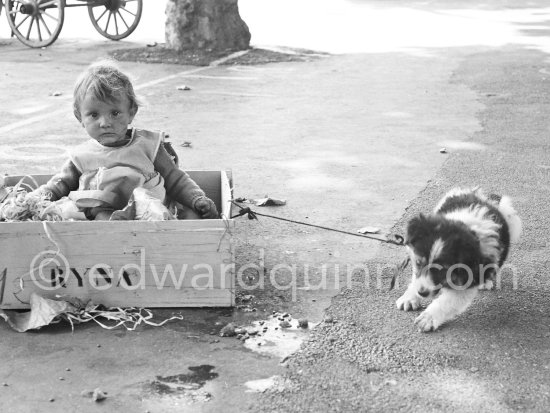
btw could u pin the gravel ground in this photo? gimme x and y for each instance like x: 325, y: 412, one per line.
x: 496, y: 356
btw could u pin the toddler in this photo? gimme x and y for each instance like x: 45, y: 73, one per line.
x: 101, y: 174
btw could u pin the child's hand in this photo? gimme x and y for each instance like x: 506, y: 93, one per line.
x: 206, y: 208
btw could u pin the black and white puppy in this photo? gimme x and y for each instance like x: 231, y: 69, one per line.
x: 455, y: 251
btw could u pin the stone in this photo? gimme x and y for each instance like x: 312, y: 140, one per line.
x: 228, y: 331
x: 285, y: 324
x: 303, y: 323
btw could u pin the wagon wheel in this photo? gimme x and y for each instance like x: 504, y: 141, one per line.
x: 36, y: 23
x: 115, y: 19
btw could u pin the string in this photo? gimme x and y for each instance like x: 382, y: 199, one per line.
x: 399, y: 240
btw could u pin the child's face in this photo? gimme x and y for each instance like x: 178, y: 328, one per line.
x: 106, y: 122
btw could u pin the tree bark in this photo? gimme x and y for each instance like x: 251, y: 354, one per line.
x: 205, y: 25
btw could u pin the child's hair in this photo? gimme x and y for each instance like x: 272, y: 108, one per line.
x: 106, y: 82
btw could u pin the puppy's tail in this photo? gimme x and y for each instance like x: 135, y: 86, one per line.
x: 512, y: 219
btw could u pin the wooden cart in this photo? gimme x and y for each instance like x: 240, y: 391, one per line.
x: 37, y: 23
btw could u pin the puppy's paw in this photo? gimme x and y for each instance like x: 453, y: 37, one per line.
x: 488, y: 285
x: 426, y: 322
x: 408, y: 302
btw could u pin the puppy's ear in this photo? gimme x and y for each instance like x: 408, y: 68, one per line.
x: 417, y: 229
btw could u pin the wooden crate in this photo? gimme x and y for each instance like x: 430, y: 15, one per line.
x: 179, y: 263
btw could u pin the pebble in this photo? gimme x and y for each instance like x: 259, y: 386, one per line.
x: 183, y: 87
x: 443, y: 150
x: 303, y: 323
x: 228, y: 331
x: 329, y: 319
x: 5, y: 384
x: 285, y: 324
x: 474, y: 369
x: 67, y: 369
x: 51, y: 399
x: 98, y: 395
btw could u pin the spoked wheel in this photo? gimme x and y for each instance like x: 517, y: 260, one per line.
x: 36, y: 23
x: 115, y: 19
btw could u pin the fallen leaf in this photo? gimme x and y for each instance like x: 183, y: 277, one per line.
x: 270, y: 202
x: 43, y: 312
x: 368, y: 230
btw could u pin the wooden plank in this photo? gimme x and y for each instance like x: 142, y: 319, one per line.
x: 227, y: 194
x: 187, y: 297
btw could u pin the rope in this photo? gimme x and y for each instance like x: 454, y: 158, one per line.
x: 398, y: 271
x: 398, y: 239
x: 227, y: 230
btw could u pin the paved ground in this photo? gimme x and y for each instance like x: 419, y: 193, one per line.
x: 349, y: 141
x: 495, y: 357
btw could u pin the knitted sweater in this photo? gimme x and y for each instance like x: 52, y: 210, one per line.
x: 178, y: 185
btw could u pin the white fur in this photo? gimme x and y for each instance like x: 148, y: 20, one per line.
x: 459, y: 191
x: 512, y: 219
x: 437, y: 249
x: 487, y: 285
x: 410, y: 300
x: 448, y: 304
x: 485, y: 229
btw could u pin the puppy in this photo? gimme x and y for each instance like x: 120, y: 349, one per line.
x: 455, y: 251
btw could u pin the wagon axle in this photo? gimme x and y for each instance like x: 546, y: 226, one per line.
x: 28, y: 7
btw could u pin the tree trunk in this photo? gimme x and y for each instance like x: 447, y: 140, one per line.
x: 205, y: 25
